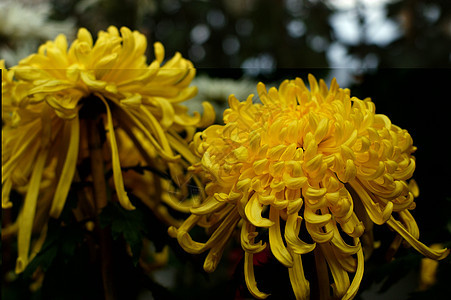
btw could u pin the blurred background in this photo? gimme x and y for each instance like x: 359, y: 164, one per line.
x: 396, y: 52
x: 255, y: 38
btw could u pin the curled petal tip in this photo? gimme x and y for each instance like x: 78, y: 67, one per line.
x: 172, y: 231
x: 416, y: 244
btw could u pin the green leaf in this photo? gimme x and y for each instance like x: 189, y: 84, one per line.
x: 43, y: 259
x: 63, y: 237
x: 60, y: 241
x: 127, y: 224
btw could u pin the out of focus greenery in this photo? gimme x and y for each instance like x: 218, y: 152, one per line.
x: 396, y: 52
x: 282, y: 34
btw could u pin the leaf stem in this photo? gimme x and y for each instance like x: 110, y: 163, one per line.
x: 100, y: 200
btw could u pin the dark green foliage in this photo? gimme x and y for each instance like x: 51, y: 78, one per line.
x: 63, y: 237
x: 126, y: 224
x: 65, y: 258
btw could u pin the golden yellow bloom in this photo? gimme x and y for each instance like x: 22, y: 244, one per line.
x: 316, y: 155
x: 48, y: 97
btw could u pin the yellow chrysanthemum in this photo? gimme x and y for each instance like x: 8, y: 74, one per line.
x: 51, y: 97
x: 316, y: 155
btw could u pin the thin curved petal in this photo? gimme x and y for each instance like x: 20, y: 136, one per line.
x: 419, y: 246
x: 301, y: 287
x: 28, y: 212
x: 210, y: 205
x: 354, y: 287
x: 117, y: 172
x: 292, y: 228
x: 378, y: 214
x: 6, y: 189
x: 250, y: 277
x: 340, y: 276
x: 68, y: 171
x: 248, y: 235
x: 253, y: 212
x: 214, y: 255
x: 127, y: 117
x: 276, y: 243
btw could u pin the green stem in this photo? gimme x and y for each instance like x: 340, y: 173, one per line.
x: 100, y: 200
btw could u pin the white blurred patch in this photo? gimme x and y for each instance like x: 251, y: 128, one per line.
x: 200, y: 34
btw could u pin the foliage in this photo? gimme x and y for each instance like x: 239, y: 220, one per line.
x: 126, y: 224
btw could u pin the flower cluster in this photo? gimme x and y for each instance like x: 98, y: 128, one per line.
x: 316, y: 155
x: 50, y: 99
x: 303, y: 172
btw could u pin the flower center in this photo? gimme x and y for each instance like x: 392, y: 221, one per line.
x: 91, y: 107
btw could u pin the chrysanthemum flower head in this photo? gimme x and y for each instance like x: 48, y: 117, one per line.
x: 49, y: 98
x: 316, y: 158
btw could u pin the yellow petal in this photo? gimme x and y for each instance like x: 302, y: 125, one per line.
x: 354, y: 287
x: 314, y: 218
x: 183, y: 237
x: 409, y: 223
x: 6, y: 189
x: 84, y: 36
x: 65, y: 106
x: 187, y: 225
x: 413, y: 188
x: 300, y: 285
x: 377, y: 214
x: 134, y: 100
x: 156, y: 128
x: 129, y: 120
x: 28, y: 212
x: 39, y: 242
x: 221, y: 233
x: 260, y: 166
x: 167, y: 112
x: 294, y: 182
x: 181, y: 147
x: 295, y: 244
x: 215, y: 254
x: 90, y: 80
x: 68, y: 171
x: 276, y: 243
x: 353, y: 227
x: 340, y: 276
x: 175, y: 203
x: 25, y: 144
x: 210, y: 205
x: 213, y: 257
x: 250, y: 277
x: 188, y: 244
x: 248, y: 235
x: 419, y: 246
x: 159, y: 52
x: 341, y: 245
x: 117, y: 172
x: 294, y: 206
x: 253, y: 212
x: 208, y: 115
x: 317, y: 233
x: 346, y: 261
